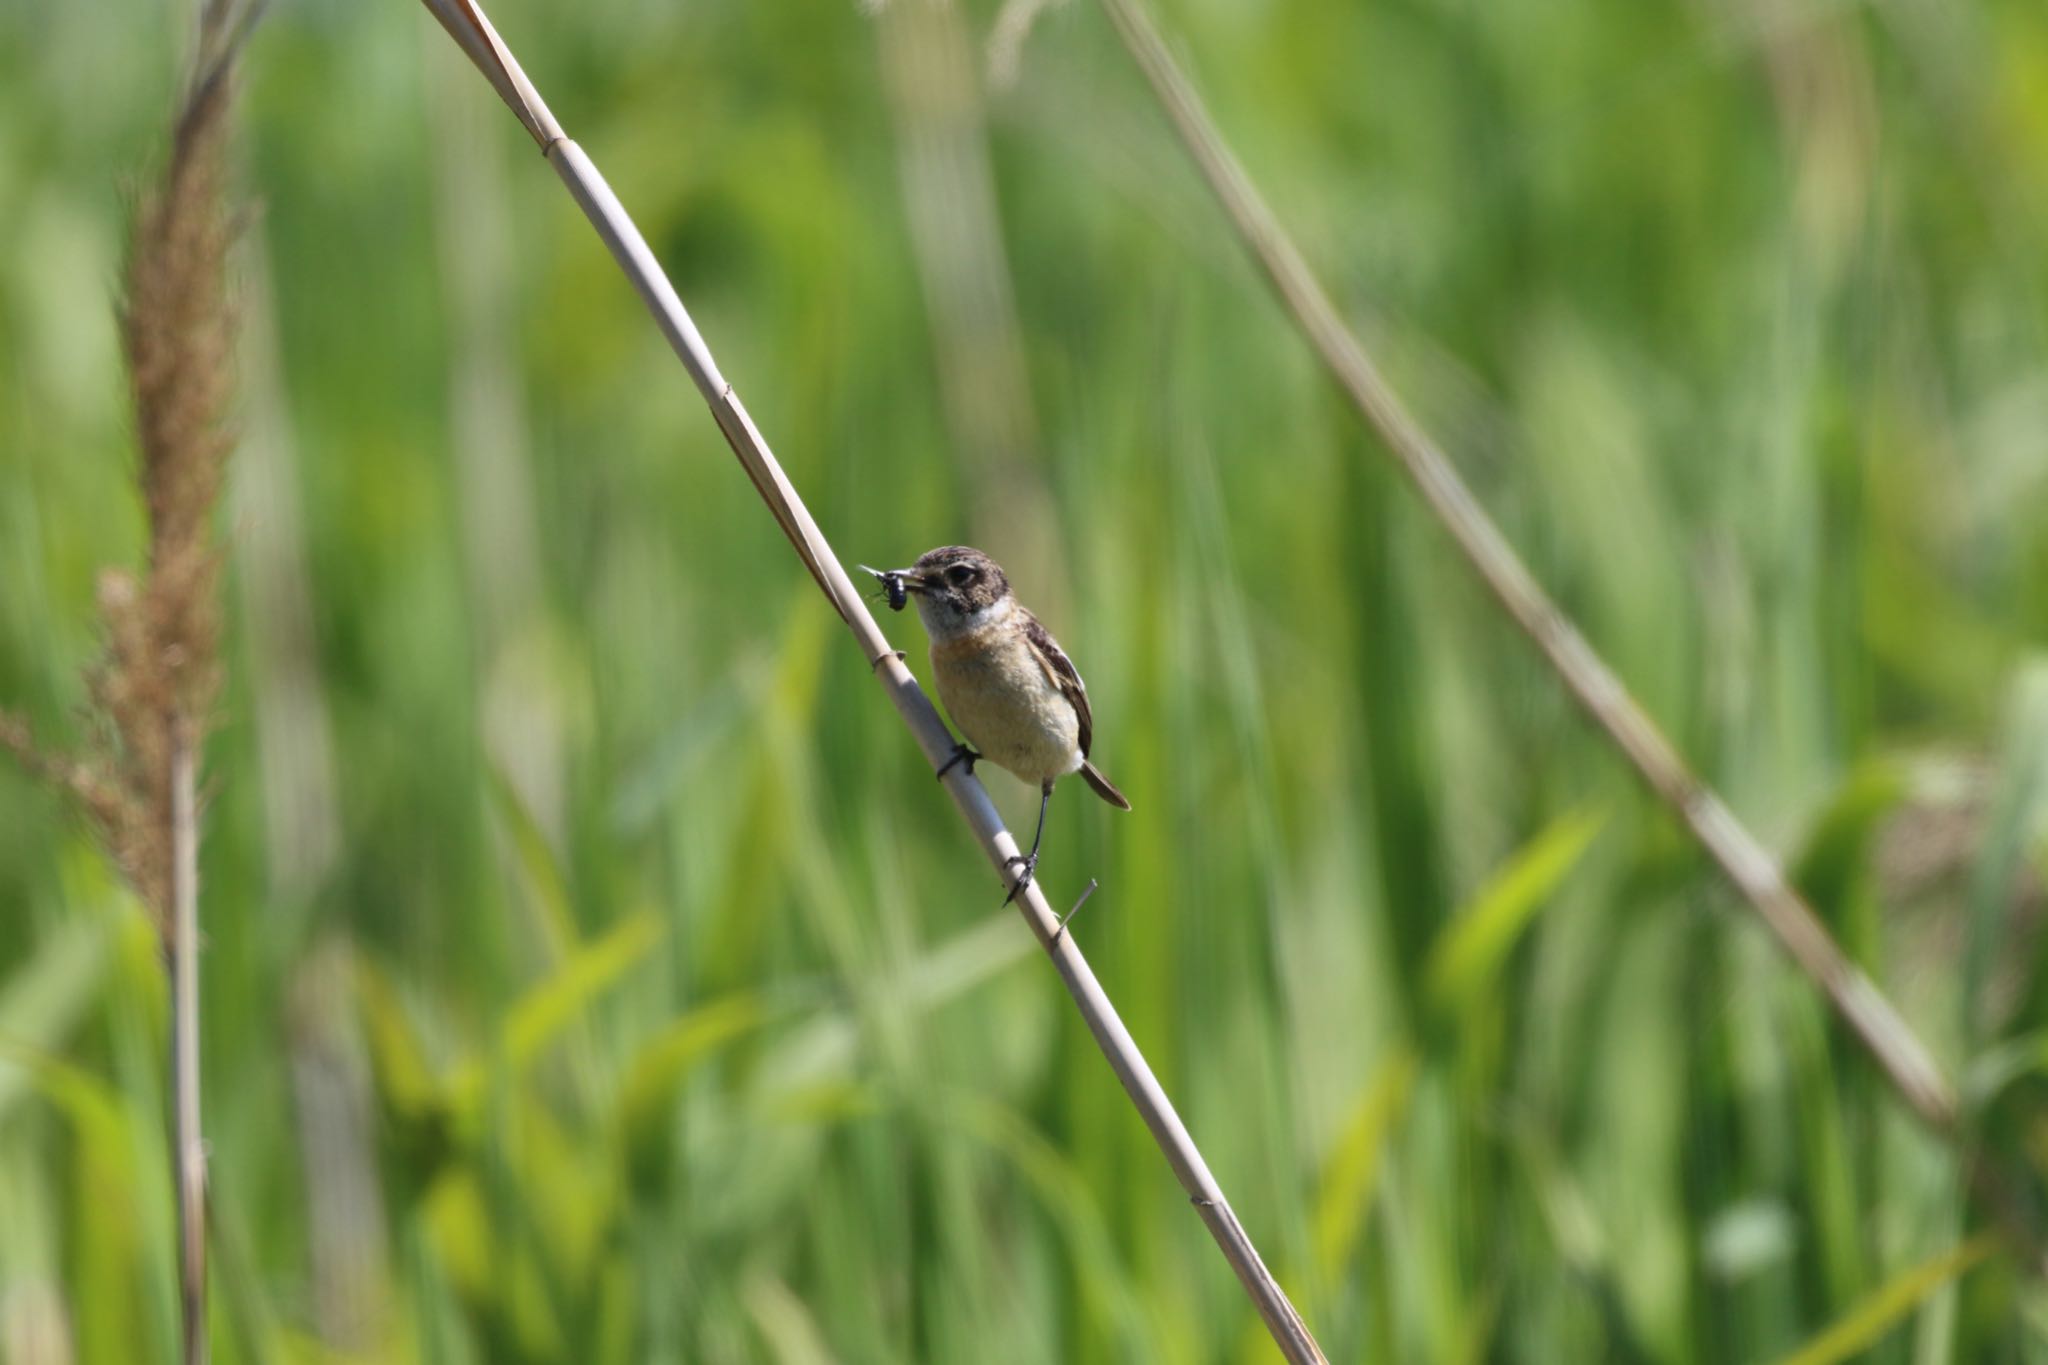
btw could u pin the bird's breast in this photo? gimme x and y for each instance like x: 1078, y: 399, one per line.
x: 999, y: 696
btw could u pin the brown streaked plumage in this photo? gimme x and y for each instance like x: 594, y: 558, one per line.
x: 1010, y: 689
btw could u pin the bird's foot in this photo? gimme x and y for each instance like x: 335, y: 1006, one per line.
x: 1028, y: 865
x: 961, y: 754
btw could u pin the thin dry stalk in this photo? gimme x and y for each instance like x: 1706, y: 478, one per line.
x: 153, y: 690
x: 188, y: 1141
x: 949, y: 197
x: 1880, y: 1028
x: 178, y: 336
x: 466, y: 23
x: 1007, y: 36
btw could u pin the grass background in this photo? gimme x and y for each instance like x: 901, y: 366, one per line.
x: 595, y: 974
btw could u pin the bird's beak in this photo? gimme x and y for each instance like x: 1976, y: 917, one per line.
x: 910, y: 578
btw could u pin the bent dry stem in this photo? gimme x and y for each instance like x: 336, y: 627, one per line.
x: 1742, y: 858
x: 466, y: 23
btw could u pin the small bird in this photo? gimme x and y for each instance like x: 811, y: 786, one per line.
x: 1006, y: 683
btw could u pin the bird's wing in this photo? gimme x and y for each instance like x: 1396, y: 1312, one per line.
x: 1060, y: 670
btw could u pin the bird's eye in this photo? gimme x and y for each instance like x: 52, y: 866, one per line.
x: 959, y: 575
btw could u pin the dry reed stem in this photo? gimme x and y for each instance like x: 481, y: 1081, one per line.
x: 1884, y: 1033
x: 949, y: 197
x: 154, y: 686
x: 473, y: 32
x: 178, y: 335
x: 1007, y: 36
x: 188, y: 1141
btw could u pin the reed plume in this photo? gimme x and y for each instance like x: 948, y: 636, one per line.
x: 154, y: 687
x: 158, y: 675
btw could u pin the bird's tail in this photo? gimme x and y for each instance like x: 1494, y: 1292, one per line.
x: 1104, y: 788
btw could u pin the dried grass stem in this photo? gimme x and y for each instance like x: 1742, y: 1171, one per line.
x: 1883, y: 1032
x: 154, y: 688
x: 467, y: 24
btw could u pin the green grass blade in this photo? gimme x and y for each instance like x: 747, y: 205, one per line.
x: 1869, y: 1320
x: 554, y: 914
x: 543, y: 1012
x: 1468, y: 955
x: 2010, y: 837
x: 1352, y: 1171
x: 43, y: 1001
x: 661, y: 1066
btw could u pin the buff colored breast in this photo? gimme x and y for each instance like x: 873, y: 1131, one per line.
x: 1001, y: 700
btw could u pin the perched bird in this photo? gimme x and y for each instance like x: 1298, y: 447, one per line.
x: 1009, y: 687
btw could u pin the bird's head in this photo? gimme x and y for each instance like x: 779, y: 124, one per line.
x: 957, y: 588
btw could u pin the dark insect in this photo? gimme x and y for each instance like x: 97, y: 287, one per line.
x: 892, y: 586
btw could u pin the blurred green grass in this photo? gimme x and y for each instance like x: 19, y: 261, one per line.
x: 595, y: 974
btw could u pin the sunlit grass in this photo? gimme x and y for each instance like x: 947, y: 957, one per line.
x: 678, y: 1016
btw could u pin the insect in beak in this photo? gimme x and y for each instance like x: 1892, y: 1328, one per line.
x: 897, y: 584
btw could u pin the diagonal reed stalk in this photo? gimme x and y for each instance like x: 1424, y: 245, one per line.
x: 1880, y: 1028
x: 466, y: 23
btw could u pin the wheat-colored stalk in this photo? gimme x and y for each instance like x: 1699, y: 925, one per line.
x: 188, y: 1141
x: 1880, y: 1028
x: 1999, y: 1190
x: 1882, y: 1031
x: 466, y: 23
x: 153, y: 689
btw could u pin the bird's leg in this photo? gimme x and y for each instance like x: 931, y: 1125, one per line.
x: 1029, y: 861
x: 961, y: 754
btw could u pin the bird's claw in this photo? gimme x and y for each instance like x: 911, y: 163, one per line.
x: 1029, y: 865
x: 961, y: 754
